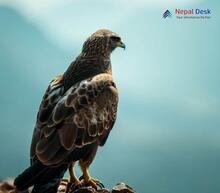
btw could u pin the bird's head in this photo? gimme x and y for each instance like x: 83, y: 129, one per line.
x: 102, y: 42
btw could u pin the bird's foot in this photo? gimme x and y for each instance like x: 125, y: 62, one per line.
x: 73, y: 184
x: 92, y: 182
x: 71, y: 180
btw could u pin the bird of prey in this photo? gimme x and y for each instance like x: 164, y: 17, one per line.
x: 76, y: 115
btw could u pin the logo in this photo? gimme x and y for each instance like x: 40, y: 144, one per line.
x: 192, y: 11
x: 167, y: 14
x: 188, y: 13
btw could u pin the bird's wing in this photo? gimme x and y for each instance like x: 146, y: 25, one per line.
x: 84, y: 114
x: 52, y: 95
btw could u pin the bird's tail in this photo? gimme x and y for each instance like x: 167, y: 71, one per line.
x: 44, y: 179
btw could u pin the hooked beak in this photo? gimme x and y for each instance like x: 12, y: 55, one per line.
x: 121, y: 45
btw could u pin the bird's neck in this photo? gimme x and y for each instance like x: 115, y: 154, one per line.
x: 85, y: 66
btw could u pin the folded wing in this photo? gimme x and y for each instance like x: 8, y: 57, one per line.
x: 84, y: 114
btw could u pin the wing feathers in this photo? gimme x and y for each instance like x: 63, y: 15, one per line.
x: 68, y: 134
x: 81, y: 116
x: 47, y: 148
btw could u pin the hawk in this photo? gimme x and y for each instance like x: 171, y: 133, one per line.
x: 76, y: 115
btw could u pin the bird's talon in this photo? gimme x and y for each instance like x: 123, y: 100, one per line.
x: 98, y: 183
x: 101, y: 185
x: 81, y: 178
x: 72, y: 181
x: 75, y: 185
x: 94, y: 183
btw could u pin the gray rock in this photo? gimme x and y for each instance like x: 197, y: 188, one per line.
x: 122, y: 188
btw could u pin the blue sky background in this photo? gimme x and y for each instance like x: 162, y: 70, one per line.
x: 166, y: 138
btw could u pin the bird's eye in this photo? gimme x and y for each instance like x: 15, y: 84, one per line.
x: 115, y: 38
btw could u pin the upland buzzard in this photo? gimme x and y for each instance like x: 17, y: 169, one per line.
x: 75, y: 117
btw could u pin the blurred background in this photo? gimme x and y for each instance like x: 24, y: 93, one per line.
x: 166, y: 138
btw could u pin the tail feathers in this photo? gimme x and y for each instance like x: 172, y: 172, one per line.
x: 44, y: 179
x: 30, y: 176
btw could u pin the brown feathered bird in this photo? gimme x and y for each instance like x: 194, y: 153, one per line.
x: 75, y: 117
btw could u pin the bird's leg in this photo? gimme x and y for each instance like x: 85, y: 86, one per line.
x: 73, y: 179
x: 84, y: 165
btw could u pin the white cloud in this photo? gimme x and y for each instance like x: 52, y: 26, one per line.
x: 67, y: 22
x: 159, y: 3
x: 200, y: 105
